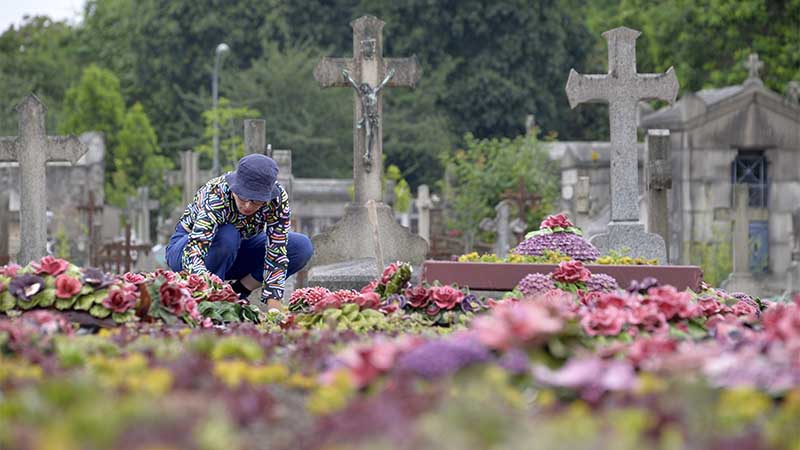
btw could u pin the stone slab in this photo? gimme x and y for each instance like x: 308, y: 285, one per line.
x: 353, y: 238
x: 504, y: 277
x: 633, y: 236
x: 353, y: 274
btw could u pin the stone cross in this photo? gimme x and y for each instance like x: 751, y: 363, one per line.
x: 255, y: 137
x: 741, y: 217
x: 5, y: 218
x: 90, y: 207
x: 369, y: 70
x: 793, y: 93
x: 33, y: 149
x: 190, y: 162
x: 753, y: 65
x: 658, y: 178
x: 523, y: 199
x: 501, y: 224
x: 424, y: 205
x: 141, y: 207
x: 622, y: 88
x: 582, y: 188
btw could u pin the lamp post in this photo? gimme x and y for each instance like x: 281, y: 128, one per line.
x: 221, y: 48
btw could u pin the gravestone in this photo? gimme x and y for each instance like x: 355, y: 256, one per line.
x: 503, y: 227
x: 424, y: 205
x: 255, y: 137
x: 140, y: 206
x: 741, y: 279
x: 658, y: 179
x: 622, y: 88
x: 353, y: 238
x: 582, y: 189
x: 33, y: 149
x: 525, y: 201
x: 793, y: 273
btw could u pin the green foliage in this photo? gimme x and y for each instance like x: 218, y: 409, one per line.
x: 715, y: 257
x: 487, y: 168
x: 62, y: 244
x: 231, y: 145
x: 402, y: 192
x: 95, y: 104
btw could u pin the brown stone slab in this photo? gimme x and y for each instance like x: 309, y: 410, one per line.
x: 504, y: 277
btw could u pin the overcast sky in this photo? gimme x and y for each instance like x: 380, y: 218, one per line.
x: 11, y: 11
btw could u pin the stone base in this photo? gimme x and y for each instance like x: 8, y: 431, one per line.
x: 346, y: 275
x: 633, y: 236
x: 353, y: 238
x: 742, y: 282
x: 792, y: 280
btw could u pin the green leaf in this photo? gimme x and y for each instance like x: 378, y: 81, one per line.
x: 7, y: 301
x: 46, y: 298
x: 99, y: 311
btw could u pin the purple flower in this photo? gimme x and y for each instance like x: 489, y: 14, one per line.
x: 26, y: 286
x: 569, y: 244
x: 602, y: 282
x: 515, y: 361
x: 97, y: 278
x: 643, y: 286
x: 535, y: 283
x: 471, y: 303
x: 443, y: 357
x: 590, y: 376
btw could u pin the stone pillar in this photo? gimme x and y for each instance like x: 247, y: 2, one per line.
x: 658, y: 179
x: 424, y: 205
x: 255, y: 136
x: 190, y: 162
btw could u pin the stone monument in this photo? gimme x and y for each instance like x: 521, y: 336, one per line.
x: 741, y: 279
x: 658, y: 179
x: 622, y: 88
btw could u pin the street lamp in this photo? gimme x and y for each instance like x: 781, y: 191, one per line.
x: 221, y: 48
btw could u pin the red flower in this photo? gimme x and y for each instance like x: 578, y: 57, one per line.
x: 51, y: 266
x: 368, y: 300
x: 607, y: 321
x: 196, y: 283
x: 329, y: 301
x: 190, y: 306
x: 388, y: 273
x: 571, y: 272
x: 418, y: 296
x: 669, y: 300
x: 557, y: 221
x: 515, y: 323
x: 446, y: 297
x: 173, y: 297
x: 617, y: 300
x: 742, y: 308
x: 66, y: 286
x: 648, y: 317
x: 10, y: 270
x: 134, y: 278
x: 225, y: 294
x: 120, y: 299
x: 709, y: 306
x: 370, y: 287
x: 644, y: 349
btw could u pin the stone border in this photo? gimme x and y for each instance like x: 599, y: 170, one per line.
x: 504, y: 277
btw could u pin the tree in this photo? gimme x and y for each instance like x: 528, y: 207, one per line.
x: 231, y: 145
x: 138, y: 162
x: 486, y: 168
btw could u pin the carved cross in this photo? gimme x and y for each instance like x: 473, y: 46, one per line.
x: 522, y: 198
x: 367, y: 66
x: 622, y: 88
x: 753, y: 65
x: 33, y: 148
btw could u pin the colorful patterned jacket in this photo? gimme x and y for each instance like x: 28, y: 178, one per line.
x: 213, y: 205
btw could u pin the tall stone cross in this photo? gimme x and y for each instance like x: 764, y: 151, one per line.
x: 753, y: 65
x: 33, y: 148
x: 367, y: 72
x: 424, y: 204
x: 622, y: 88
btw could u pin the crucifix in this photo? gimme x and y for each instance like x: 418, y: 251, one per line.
x: 368, y: 72
x: 90, y: 207
x: 524, y: 201
x: 33, y: 148
x: 622, y: 88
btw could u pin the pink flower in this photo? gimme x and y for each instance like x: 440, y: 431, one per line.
x: 615, y: 299
x: 782, y: 321
x: 646, y: 348
x: 571, y: 272
x: 51, y: 266
x: 512, y: 324
x: 66, y: 286
x: 206, y: 323
x: 669, y: 300
x: 368, y: 300
x: 649, y: 317
x: 196, y: 283
x: 389, y: 272
x: 557, y: 221
x: 173, y: 297
x: 607, y: 321
x: 709, y: 306
x: 120, y: 299
x: 190, y: 306
x: 557, y: 300
x: 744, y: 309
x: 134, y: 278
x: 225, y: 294
x: 446, y: 297
x: 10, y: 270
x: 329, y: 301
x: 370, y: 287
x: 418, y: 296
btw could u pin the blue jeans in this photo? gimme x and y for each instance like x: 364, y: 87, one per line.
x: 232, y: 258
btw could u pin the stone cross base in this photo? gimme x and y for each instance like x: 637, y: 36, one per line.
x: 741, y: 282
x: 353, y: 237
x: 633, y: 236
